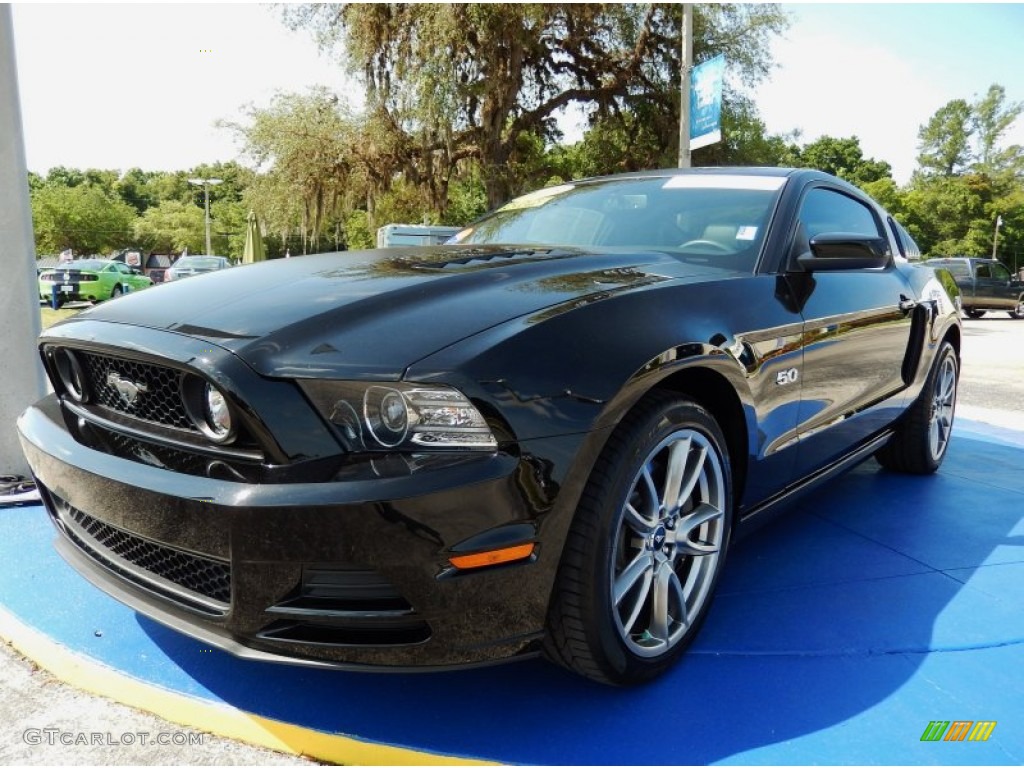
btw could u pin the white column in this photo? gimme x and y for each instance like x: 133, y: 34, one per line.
x: 21, y: 374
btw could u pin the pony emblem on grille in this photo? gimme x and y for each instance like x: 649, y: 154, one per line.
x: 128, y: 390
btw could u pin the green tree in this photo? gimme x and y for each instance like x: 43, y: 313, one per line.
x: 172, y: 226
x: 310, y: 151
x: 228, y: 227
x: 945, y: 140
x: 82, y: 217
x: 451, y: 82
x: 991, y: 117
x: 134, y: 188
x: 843, y: 158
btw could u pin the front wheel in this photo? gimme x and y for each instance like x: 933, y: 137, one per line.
x: 922, y: 438
x: 646, y: 547
x: 1017, y: 313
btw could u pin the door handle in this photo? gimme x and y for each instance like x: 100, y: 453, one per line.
x: 906, y: 305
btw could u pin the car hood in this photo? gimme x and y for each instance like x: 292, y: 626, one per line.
x: 371, y: 314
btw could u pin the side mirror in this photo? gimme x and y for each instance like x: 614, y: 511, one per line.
x: 834, y: 251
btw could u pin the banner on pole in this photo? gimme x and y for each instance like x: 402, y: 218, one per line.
x: 706, y: 102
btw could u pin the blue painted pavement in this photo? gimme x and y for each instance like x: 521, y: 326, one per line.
x: 878, y: 604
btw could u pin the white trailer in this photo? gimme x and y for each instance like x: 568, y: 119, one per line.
x: 393, y: 235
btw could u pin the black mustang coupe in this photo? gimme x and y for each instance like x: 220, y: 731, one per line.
x: 540, y: 438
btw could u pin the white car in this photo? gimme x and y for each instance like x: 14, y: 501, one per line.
x: 187, y: 266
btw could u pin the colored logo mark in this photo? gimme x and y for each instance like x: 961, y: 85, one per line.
x: 958, y: 730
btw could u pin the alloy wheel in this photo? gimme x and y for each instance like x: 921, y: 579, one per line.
x: 668, y: 543
x: 940, y: 423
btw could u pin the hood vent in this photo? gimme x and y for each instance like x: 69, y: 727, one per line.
x: 484, y: 258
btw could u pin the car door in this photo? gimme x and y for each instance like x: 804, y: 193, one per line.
x: 993, y: 282
x: 857, y: 330
x: 123, y: 274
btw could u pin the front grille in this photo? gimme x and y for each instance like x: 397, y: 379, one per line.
x: 196, y: 581
x: 161, y: 401
x: 156, y: 455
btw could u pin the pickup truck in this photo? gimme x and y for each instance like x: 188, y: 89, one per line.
x: 985, y: 284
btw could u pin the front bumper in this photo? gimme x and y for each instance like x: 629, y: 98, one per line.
x: 342, y: 573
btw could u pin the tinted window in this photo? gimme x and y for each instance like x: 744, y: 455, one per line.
x: 716, y: 219
x: 956, y: 268
x: 825, y: 210
x: 93, y: 264
x: 984, y: 271
x: 999, y: 272
x: 907, y: 247
x: 200, y: 262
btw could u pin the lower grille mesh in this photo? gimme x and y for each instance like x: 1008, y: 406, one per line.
x: 114, y: 548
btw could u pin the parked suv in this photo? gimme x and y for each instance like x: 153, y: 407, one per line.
x: 985, y: 284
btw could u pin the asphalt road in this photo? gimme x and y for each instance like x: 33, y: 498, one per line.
x: 31, y: 700
x: 992, y: 378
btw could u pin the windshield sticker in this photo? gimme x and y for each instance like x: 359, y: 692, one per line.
x: 746, y: 233
x: 537, y: 199
x: 699, y: 181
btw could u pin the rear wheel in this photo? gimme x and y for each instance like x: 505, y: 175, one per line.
x: 921, y: 440
x: 646, y: 548
x: 974, y: 314
x: 115, y: 291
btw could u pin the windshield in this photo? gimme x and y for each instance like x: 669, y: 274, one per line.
x: 199, y: 262
x: 719, y: 219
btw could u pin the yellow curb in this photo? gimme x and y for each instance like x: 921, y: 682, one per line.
x: 219, y: 719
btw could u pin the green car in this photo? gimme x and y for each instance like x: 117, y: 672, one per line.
x: 90, y: 280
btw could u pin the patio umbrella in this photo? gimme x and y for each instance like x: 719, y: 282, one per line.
x: 254, y: 250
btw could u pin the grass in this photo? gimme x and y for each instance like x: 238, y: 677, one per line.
x: 51, y: 316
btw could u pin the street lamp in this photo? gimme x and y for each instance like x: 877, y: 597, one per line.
x: 995, y: 237
x: 205, y: 184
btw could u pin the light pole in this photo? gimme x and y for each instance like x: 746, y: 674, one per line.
x: 685, y: 63
x: 205, y: 184
x: 995, y: 237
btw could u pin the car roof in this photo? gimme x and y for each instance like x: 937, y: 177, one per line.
x: 806, y: 174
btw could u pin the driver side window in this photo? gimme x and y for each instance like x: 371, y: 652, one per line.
x: 999, y: 272
x: 825, y: 210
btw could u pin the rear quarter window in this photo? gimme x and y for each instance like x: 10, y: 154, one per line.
x: 956, y: 268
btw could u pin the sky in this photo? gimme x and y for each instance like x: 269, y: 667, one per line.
x: 143, y: 85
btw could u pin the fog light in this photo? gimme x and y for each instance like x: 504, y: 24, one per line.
x: 208, y: 408
x: 218, y: 415
x: 69, y: 370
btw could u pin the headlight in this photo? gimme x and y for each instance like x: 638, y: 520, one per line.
x: 208, y: 408
x: 400, y: 416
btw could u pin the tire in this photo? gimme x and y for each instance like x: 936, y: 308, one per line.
x: 1017, y: 313
x: 974, y: 314
x: 115, y: 291
x: 922, y: 438
x: 640, y: 567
